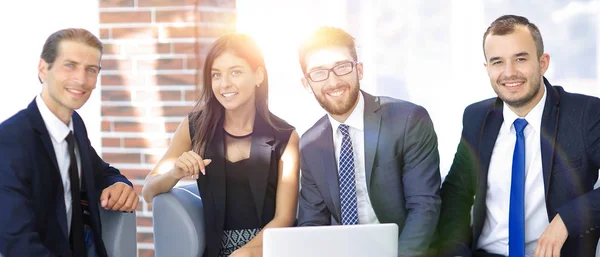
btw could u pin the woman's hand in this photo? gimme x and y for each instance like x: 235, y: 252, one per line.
x: 189, y: 164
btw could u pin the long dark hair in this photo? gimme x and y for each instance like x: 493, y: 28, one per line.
x: 208, y: 111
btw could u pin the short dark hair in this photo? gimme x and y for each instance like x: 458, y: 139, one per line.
x: 506, y: 24
x: 326, y: 37
x: 50, y: 50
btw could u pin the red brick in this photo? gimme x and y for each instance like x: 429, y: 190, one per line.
x: 183, y: 48
x: 106, y: 126
x: 111, y: 142
x: 112, y: 80
x: 121, y: 157
x: 146, y: 143
x: 126, y: 17
x: 195, y: 64
x: 218, y: 3
x: 175, y: 16
x: 160, y: 64
x: 116, y: 95
x: 125, y: 126
x: 144, y: 221
x: 138, y: 189
x: 170, y: 127
x: 191, y: 95
x: 188, y: 16
x: 104, y: 33
x: 110, y: 48
x: 116, y: 3
x: 135, y: 33
x: 140, y: 206
x: 220, y: 17
x: 157, y: 48
x: 203, y: 31
x: 145, y: 238
x: 148, y: 3
x: 145, y: 253
x: 115, y: 64
x: 143, y: 96
x: 170, y: 111
x: 135, y: 174
x: 174, y: 79
x: 123, y: 79
x: 152, y: 158
x: 127, y: 111
x: 188, y: 48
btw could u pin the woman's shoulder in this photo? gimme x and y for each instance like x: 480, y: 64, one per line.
x: 280, y: 124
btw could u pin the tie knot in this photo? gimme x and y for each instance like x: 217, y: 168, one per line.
x: 344, y: 129
x: 70, y: 138
x: 520, y: 125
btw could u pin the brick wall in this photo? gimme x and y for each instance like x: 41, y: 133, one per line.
x: 148, y: 80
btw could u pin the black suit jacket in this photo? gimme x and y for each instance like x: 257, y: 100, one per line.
x: 267, y: 147
x: 33, y: 219
x: 570, y: 147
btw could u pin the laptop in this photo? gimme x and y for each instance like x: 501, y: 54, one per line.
x: 331, y: 241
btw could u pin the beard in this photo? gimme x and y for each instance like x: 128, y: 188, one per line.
x: 524, y: 100
x: 342, y: 106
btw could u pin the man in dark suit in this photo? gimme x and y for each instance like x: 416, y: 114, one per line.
x: 370, y: 159
x: 51, y: 179
x: 527, y: 160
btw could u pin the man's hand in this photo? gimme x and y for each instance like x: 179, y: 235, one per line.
x: 119, y: 197
x: 553, y: 238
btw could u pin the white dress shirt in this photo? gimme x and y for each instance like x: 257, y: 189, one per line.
x: 494, y: 236
x: 355, y: 122
x: 58, y: 133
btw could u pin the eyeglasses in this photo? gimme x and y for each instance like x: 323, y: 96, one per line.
x: 339, y: 70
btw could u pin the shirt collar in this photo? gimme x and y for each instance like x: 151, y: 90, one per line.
x: 534, y: 117
x: 56, y: 128
x: 356, y: 118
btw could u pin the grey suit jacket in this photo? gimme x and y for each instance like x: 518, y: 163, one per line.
x: 402, y: 172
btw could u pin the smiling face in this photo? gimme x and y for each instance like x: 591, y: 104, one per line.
x: 234, y: 82
x: 69, y: 81
x: 338, y: 95
x: 514, y: 68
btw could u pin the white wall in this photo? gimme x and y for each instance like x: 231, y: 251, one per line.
x: 25, y: 25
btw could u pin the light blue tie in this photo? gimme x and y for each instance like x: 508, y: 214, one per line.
x: 347, y: 182
x: 516, y: 217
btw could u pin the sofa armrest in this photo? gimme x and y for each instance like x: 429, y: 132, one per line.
x: 178, y: 223
x: 119, y: 233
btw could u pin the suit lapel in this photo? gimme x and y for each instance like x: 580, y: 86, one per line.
x: 87, y: 172
x: 371, y: 133
x: 548, y: 133
x: 212, y: 186
x: 488, y: 135
x: 38, y: 125
x: 261, y: 150
x: 326, y: 150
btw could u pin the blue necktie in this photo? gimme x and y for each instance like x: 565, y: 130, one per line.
x: 346, y: 179
x: 516, y: 216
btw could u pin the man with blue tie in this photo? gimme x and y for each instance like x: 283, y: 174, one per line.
x: 522, y: 179
x: 371, y: 159
x: 52, y: 182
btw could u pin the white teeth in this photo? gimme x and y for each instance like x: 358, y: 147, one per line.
x: 75, y: 91
x: 512, y: 84
x: 229, y: 94
x: 336, y: 93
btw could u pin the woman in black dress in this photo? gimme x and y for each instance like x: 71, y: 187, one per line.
x: 245, y: 159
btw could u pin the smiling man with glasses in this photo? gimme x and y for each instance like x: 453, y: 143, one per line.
x: 371, y: 159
